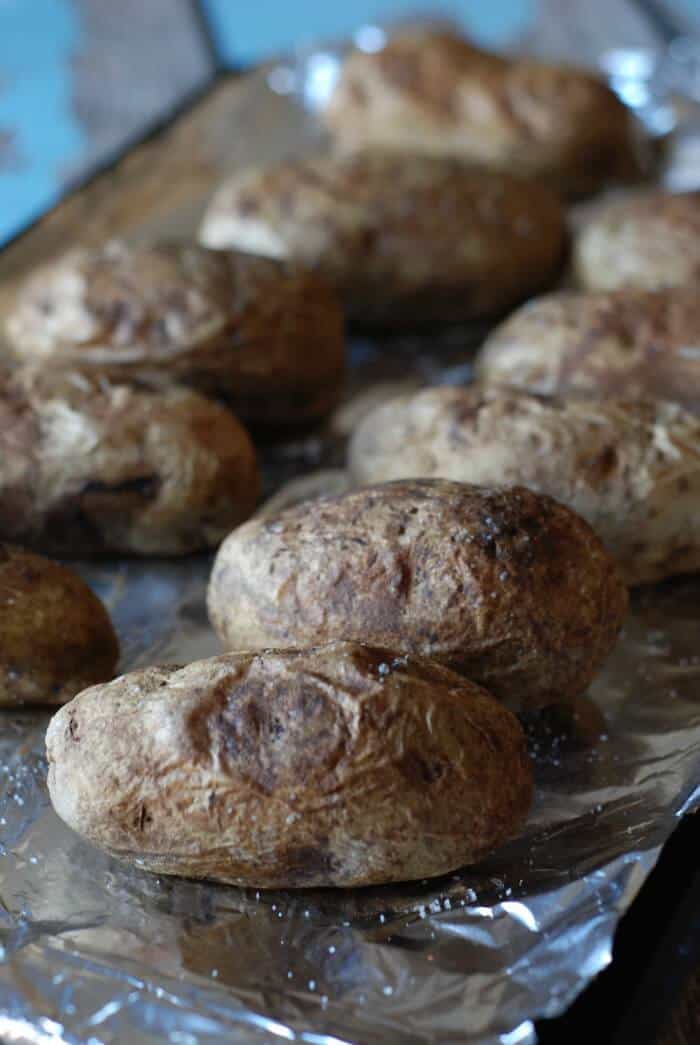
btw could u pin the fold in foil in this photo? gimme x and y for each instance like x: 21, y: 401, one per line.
x: 93, y: 951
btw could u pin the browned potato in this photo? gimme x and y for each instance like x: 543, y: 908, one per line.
x: 431, y: 91
x: 91, y: 468
x: 632, y: 470
x: 56, y: 637
x: 506, y: 586
x: 404, y: 242
x: 624, y: 345
x: 648, y: 241
x: 338, y: 765
x: 263, y: 335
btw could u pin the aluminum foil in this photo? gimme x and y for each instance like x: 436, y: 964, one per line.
x: 93, y: 951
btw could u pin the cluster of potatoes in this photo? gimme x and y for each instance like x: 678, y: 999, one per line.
x: 362, y: 727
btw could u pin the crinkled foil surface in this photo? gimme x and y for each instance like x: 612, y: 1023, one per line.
x: 93, y: 951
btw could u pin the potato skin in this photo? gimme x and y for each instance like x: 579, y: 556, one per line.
x: 88, y: 468
x: 263, y: 335
x: 623, y: 345
x: 648, y: 241
x: 631, y: 469
x: 56, y: 637
x: 339, y: 765
x: 404, y: 243
x: 432, y: 91
x: 505, y: 586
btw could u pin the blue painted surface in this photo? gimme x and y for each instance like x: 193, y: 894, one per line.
x: 247, y: 32
x: 39, y: 137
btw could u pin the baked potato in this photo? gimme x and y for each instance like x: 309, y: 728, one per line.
x: 649, y: 241
x: 404, y: 242
x: 56, y: 637
x: 620, y: 345
x: 432, y: 91
x: 263, y: 335
x: 90, y: 468
x: 503, y: 585
x: 338, y: 765
x: 631, y: 469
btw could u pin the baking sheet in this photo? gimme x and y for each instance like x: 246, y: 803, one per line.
x: 93, y: 951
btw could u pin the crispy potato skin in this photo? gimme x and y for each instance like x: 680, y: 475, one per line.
x: 650, y: 241
x: 631, y: 469
x: 434, y: 92
x: 622, y: 345
x: 506, y: 586
x: 340, y: 765
x: 56, y: 637
x: 89, y: 468
x: 403, y: 243
x: 263, y: 335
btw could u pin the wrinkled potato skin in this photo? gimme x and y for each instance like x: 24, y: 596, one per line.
x: 623, y: 345
x: 339, y: 765
x: 262, y: 335
x: 429, y: 91
x: 56, y: 637
x: 650, y: 241
x: 632, y: 470
x: 88, y: 468
x: 429, y: 241
x: 505, y: 586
